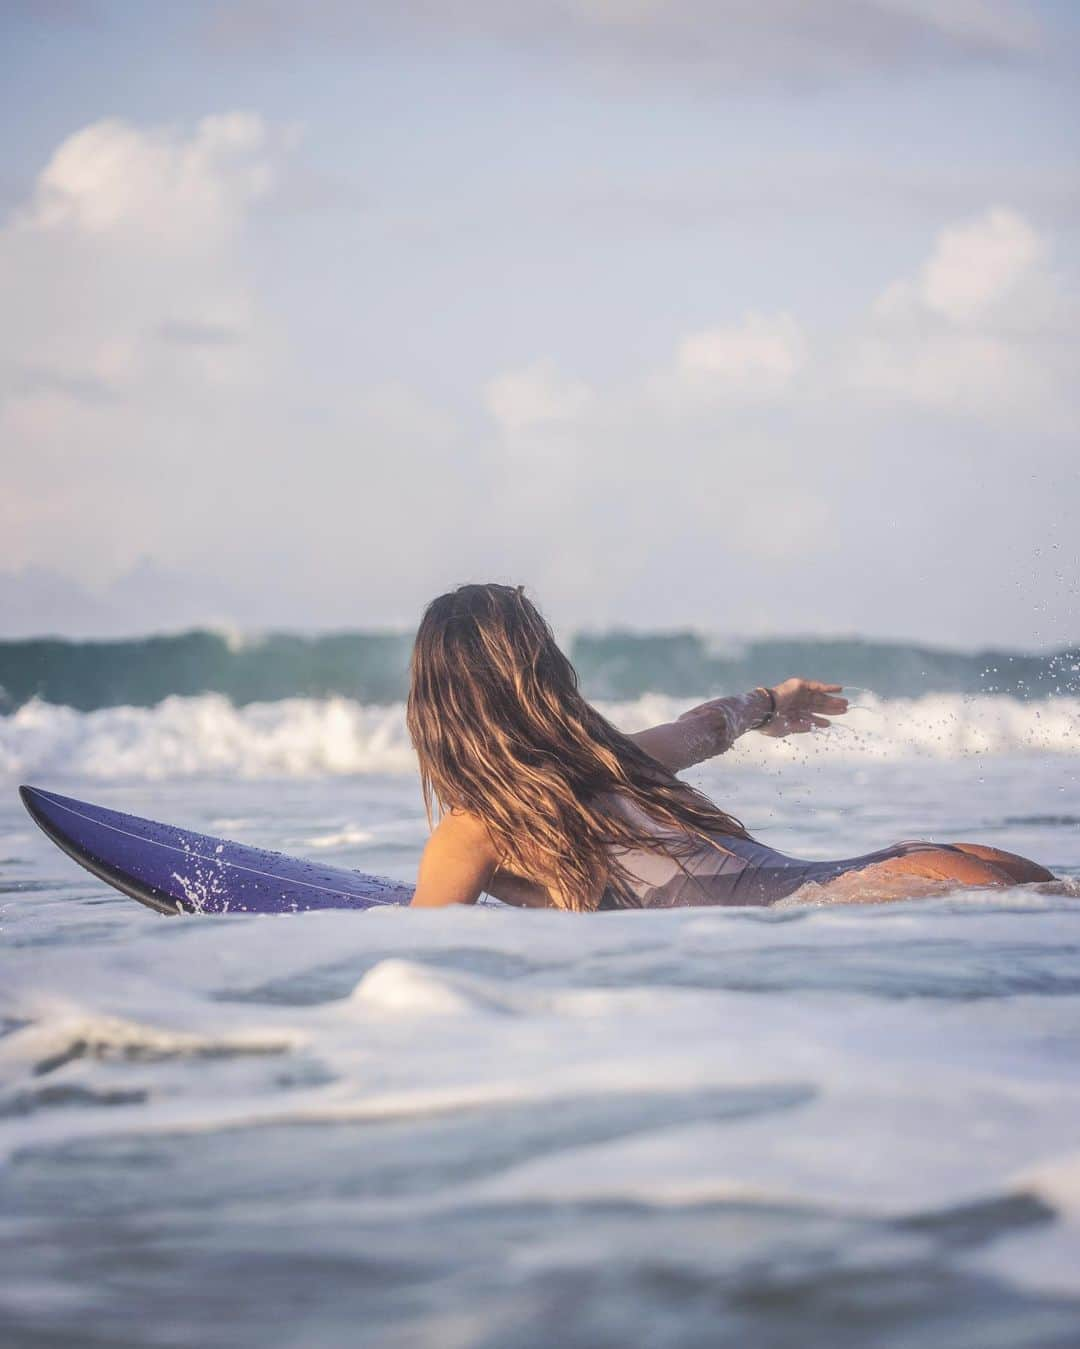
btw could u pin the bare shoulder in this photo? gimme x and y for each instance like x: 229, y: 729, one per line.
x: 457, y: 862
x: 465, y: 825
x: 460, y: 832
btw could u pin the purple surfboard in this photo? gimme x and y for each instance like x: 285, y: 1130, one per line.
x: 176, y: 871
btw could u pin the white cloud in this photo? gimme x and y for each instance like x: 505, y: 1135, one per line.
x: 760, y: 355
x: 121, y: 274
x: 756, y: 361
x: 184, y: 192
x: 983, y: 329
x: 963, y: 373
x: 537, y: 396
x: 128, y: 236
x: 754, y: 442
x: 975, y: 266
x: 592, y: 478
x: 152, y: 406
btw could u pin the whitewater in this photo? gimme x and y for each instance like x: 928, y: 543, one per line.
x: 811, y: 1125
x: 302, y: 737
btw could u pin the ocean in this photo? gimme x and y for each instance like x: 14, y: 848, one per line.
x: 839, y: 1126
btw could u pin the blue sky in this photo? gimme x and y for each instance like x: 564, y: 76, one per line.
x: 750, y: 318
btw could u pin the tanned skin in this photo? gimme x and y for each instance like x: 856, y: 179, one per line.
x: 460, y: 862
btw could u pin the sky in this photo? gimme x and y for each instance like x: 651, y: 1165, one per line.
x: 747, y: 317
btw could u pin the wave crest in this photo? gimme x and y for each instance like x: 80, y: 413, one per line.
x: 207, y: 736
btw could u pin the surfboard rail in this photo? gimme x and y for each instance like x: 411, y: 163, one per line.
x: 174, y: 871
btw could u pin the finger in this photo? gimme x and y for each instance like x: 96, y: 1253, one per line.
x: 822, y: 702
x: 824, y: 688
x: 821, y: 721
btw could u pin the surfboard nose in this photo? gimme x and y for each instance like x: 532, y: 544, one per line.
x: 42, y: 808
x: 118, y: 849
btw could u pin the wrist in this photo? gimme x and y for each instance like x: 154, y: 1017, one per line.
x: 767, y: 699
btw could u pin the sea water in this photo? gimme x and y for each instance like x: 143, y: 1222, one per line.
x: 834, y: 1126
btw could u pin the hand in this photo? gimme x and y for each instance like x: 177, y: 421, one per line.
x: 800, y: 704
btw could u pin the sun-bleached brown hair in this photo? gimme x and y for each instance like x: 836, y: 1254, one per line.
x: 502, y: 732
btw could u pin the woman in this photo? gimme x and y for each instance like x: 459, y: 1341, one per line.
x: 542, y: 802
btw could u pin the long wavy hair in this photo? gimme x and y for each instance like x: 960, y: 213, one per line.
x: 502, y: 732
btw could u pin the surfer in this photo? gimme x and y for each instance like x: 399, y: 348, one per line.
x: 542, y: 802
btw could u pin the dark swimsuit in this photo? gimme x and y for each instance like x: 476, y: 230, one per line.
x: 739, y: 871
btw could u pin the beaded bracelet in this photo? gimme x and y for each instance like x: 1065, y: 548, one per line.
x: 772, y: 708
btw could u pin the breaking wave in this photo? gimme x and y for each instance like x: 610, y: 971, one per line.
x: 209, y: 736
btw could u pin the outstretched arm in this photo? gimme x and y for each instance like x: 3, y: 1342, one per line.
x: 713, y: 727
x: 704, y: 731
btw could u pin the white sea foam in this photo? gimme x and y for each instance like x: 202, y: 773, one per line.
x: 309, y: 737
x: 350, y: 837
x: 206, y: 736
x: 56, y: 1041
x: 747, y: 1098
x: 404, y: 987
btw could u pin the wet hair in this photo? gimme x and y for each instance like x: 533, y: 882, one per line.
x: 502, y: 732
